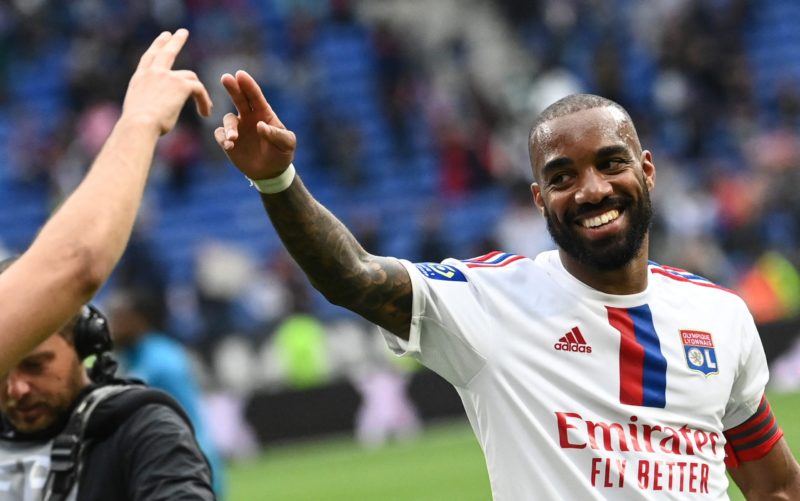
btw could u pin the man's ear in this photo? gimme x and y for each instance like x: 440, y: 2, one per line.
x: 536, y: 191
x: 649, y: 169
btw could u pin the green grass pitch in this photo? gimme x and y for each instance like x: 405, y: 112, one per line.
x: 442, y: 463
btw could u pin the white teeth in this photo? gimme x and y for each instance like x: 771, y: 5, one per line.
x: 594, y: 222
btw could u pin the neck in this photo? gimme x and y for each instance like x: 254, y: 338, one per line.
x: 631, y: 278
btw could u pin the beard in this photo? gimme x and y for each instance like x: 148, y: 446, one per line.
x: 610, y: 253
x: 57, y: 407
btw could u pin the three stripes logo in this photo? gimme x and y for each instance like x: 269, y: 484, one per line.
x: 573, y: 341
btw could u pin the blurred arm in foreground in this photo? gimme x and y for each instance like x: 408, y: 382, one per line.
x: 79, y: 246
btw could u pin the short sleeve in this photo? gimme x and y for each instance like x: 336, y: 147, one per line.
x: 445, y: 323
x: 751, y: 378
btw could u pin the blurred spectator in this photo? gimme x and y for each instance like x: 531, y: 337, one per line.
x: 223, y: 273
x: 180, y: 150
x: 464, y: 159
x: 396, y: 84
x: 785, y: 370
x: 93, y: 127
x: 265, y: 300
x: 136, y: 317
x: 302, y: 351
x: 339, y: 148
x: 771, y: 288
x: 521, y: 229
x: 432, y: 246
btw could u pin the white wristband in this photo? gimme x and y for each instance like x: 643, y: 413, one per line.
x: 274, y: 184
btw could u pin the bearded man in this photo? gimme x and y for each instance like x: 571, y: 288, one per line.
x: 587, y: 372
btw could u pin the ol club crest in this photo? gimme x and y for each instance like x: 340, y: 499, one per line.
x: 699, y: 350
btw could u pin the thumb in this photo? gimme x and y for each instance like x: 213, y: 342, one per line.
x: 282, y: 139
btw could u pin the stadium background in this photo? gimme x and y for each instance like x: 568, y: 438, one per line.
x: 412, y: 118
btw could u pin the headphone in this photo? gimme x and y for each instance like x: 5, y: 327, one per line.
x: 92, y: 335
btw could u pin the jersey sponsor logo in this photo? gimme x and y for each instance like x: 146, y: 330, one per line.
x: 636, y: 455
x: 439, y: 271
x: 573, y: 341
x: 699, y: 350
x: 642, y: 366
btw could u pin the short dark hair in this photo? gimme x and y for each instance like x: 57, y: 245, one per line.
x: 573, y: 104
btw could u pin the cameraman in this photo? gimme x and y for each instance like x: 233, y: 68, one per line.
x: 64, y: 435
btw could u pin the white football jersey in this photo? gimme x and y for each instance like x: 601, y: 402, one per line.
x: 577, y: 394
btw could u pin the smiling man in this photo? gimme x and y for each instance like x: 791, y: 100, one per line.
x: 587, y: 372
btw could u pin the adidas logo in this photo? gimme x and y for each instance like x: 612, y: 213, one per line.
x: 573, y: 341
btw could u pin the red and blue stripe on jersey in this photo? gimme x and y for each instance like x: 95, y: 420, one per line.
x: 684, y: 276
x: 494, y: 259
x: 642, y: 366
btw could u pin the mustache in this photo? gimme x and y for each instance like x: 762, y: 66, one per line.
x: 24, y: 402
x: 606, y: 204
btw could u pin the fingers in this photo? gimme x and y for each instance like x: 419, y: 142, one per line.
x: 251, y: 91
x: 199, y: 92
x: 238, y: 98
x: 283, y: 139
x: 255, y: 97
x: 247, y: 97
x: 165, y: 55
x: 201, y: 98
x: 219, y: 136
x: 147, y: 58
x: 229, y: 131
x: 231, y: 124
x: 227, y: 135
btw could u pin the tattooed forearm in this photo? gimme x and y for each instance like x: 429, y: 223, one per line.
x: 377, y: 288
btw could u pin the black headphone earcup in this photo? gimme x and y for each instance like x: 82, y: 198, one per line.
x: 92, y: 335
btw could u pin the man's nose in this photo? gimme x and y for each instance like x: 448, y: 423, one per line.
x: 593, y: 187
x: 16, y: 386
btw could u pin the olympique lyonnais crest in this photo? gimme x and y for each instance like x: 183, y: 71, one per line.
x: 699, y: 349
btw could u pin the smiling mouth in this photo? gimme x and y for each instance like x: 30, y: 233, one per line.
x: 602, y: 219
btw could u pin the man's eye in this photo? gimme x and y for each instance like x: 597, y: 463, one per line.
x: 31, y: 367
x: 616, y: 163
x: 559, y: 179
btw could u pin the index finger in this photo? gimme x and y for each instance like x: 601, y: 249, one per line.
x: 202, y: 99
x: 252, y: 91
x: 150, y: 53
x: 238, y: 98
x: 255, y: 97
x: 165, y: 55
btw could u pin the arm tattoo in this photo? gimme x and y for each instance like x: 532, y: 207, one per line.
x: 375, y: 287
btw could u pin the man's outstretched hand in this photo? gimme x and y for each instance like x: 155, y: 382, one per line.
x: 255, y: 140
x: 156, y: 93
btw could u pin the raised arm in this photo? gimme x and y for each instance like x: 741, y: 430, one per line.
x: 81, y: 243
x: 258, y: 144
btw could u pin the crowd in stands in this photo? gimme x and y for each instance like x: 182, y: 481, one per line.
x: 412, y: 119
